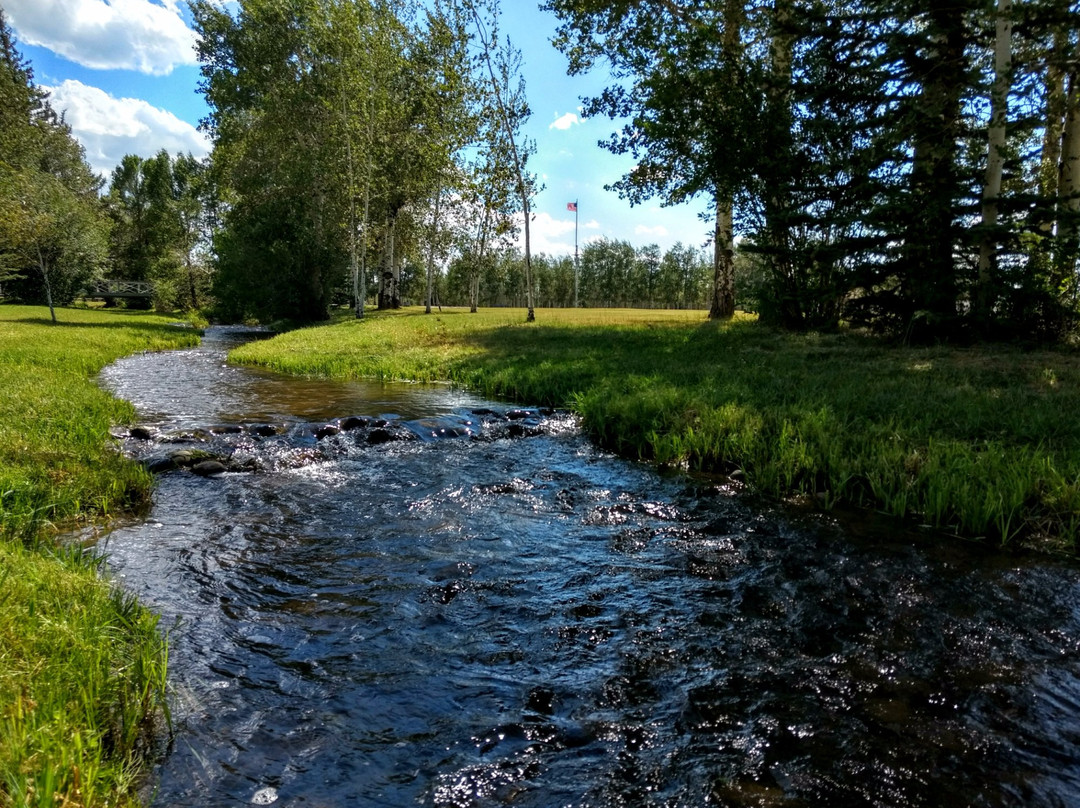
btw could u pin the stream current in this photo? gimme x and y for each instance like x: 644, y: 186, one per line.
x: 459, y: 603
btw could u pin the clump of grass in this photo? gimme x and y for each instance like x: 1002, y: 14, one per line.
x: 968, y: 440
x: 81, y: 681
x: 82, y: 666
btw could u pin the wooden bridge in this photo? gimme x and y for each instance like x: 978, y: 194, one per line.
x: 127, y: 289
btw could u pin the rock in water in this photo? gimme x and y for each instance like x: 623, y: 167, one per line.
x: 327, y: 431
x: 265, y: 796
x: 209, y: 468
x: 377, y: 436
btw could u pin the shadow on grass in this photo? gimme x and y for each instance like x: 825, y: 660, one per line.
x: 131, y: 321
x: 968, y: 395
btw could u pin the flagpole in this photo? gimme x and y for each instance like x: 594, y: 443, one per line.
x: 575, y: 255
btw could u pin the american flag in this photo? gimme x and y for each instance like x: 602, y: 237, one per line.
x: 572, y: 207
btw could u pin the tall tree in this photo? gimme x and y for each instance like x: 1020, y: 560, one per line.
x: 694, y: 104
x: 995, y: 157
x: 52, y: 228
x: 502, y: 63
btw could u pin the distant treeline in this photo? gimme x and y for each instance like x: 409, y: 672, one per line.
x: 609, y: 273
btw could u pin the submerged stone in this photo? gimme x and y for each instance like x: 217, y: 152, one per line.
x: 378, y: 436
x: 209, y: 468
x: 353, y: 422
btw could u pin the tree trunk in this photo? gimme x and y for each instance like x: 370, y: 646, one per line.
x: 43, y: 265
x: 478, y: 262
x: 388, y: 273
x: 723, y: 294
x: 191, y: 281
x: 777, y: 202
x: 1049, y: 165
x: 995, y: 157
x: 396, y: 258
x: 1069, y: 187
x: 431, y: 253
x: 354, y: 264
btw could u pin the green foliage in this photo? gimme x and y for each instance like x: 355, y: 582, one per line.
x: 336, y: 125
x: 52, y: 231
x: 855, y: 141
x: 160, y: 208
x: 610, y: 273
x: 968, y: 441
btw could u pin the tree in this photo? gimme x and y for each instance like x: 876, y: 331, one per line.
x: 342, y: 118
x: 995, y: 158
x: 159, y: 207
x: 46, y: 226
x: 502, y: 64
x: 52, y: 229
x: 694, y: 102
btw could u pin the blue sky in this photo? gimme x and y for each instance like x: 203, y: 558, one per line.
x: 124, y: 73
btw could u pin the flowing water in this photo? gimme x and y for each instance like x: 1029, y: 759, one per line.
x: 455, y: 603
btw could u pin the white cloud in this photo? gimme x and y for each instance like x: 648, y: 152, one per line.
x: 592, y: 224
x: 564, y: 122
x: 110, y: 127
x: 659, y: 231
x: 547, y: 234
x: 107, y: 34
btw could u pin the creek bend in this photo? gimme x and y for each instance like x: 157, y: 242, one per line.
x: 480, y: 617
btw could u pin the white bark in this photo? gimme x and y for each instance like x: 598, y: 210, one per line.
x: 995, y: 158
x: 1069, y: 184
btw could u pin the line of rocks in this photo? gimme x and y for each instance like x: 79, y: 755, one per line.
x: 234, y: 444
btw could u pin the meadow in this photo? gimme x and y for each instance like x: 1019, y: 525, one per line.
x: 82, y: 664
x: 980, y: 442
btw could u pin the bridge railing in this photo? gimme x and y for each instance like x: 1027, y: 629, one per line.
x: 116, y: 288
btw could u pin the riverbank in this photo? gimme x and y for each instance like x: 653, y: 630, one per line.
x: 82, y: 666
x: 979, y: 442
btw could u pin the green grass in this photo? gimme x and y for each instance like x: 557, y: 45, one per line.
x: 981, y: 442
x: 82, y: 666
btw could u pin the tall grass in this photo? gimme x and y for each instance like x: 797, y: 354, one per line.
x: 54, y: 420
x: 82, y: 665
x: 976, y: 441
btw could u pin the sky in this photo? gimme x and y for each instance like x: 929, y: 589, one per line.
x: 124, y: 74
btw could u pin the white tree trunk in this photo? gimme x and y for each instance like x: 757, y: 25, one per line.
x: 995, y: 158
x: 1069, y: 185
x: 723, y: 294
x: 431, y: 252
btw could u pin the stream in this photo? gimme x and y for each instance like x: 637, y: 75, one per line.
x: 446, y: 601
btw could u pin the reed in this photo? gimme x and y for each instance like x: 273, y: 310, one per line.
x: 82, y: 665
x: 975, y: 441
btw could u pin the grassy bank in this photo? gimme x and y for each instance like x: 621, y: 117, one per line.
x: 981, y: 442
x: 82, y: 665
